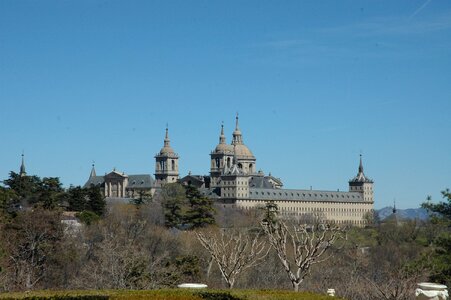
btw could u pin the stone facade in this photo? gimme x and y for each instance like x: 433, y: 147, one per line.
x: 118, y: 185
x: 166, y: 164
x: 233, y: 180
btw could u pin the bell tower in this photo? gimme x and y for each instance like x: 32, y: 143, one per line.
x: 166, y: 163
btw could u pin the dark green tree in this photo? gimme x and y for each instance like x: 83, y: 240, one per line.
x: 173, y: 200
x: 96, y: 202
x: 8, y: 198
x: 50, y: 193
x: 144, y: 197
x: 77, y: 198
x: 200, y: 212
x: 25, y: 186
x: 441, y: 257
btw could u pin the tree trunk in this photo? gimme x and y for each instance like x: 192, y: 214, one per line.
x: 296, y: 286
x: 230, y: 283
x: 210, y: 264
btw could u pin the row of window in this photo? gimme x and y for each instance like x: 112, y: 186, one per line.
x: 304, y: 195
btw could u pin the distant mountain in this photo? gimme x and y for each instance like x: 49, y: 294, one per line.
x: 410, y: 213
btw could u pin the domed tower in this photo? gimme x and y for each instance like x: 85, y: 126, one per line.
x: 221, y: 159
x: 166, y: 163
x: 245, y: 159
x: 362, y: 184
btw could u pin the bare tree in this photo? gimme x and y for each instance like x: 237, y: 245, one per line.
x: 31, y: 242
x: 300, y: 247
x: 234, y: 251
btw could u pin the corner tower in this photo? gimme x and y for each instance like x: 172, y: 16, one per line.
x: 166, y: 163
x: 362, y: 184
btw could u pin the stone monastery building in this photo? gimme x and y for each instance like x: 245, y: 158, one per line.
x: 234, y: 180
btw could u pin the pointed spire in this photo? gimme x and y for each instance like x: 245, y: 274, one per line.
x: 361, y: 165
x: 222, y: 138
x: 22, y: 167
x: 93, y: 171
x: 167, y: 141
x: 237, y: 138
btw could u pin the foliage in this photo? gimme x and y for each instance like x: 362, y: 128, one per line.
x: 201, y: 211
x: 9, y: 201
x: 144, y: 197
x: 25, y: 186
x: 441, y: 255
x: 96, y: 202
x: 443, y: 208
x: 87, y: 217
x: 86, y: 200
x: 76, y: 198
x: 186, y: 207
x: 173, y: 201
x: 47, y: 193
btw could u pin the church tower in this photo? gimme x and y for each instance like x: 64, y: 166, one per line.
x: 166, y: 163
x: 362, y: 184
x: 22, y: 171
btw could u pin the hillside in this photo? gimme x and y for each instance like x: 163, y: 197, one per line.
x: 410, y: 213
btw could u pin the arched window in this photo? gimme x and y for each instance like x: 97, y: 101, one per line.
x: 240, y: 166
x: 251, y: 170
x: 173, y: 165
x: 228, y: 162
x: 161, y: 165
x: 217, y: 162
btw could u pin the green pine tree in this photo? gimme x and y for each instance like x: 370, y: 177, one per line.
x: 173, y: 202
x: 96, y: 202
x: 441, y: 257
x: 201, y: 211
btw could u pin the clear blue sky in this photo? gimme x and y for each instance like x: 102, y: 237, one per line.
x: 315, y: 83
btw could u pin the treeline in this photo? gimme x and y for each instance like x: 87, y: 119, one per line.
x: 21, y: 192
x: 182, y: 236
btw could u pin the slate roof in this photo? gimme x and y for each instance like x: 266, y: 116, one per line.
x: 140, y: 181
x: 260, y: 182
x: 303, y: 195
x: 210, y: 193
x: 94, y: 180
x: 134, y: 181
